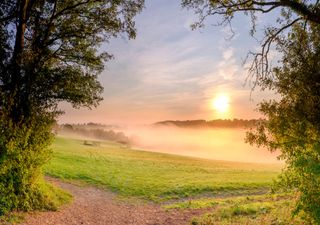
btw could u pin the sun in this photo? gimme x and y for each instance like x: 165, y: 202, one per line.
x: 221, y: 103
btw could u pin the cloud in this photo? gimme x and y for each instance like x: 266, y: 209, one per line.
x: 228, y: 66
x: 168, y: 71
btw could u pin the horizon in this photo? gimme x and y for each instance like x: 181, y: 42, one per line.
x: 160, y: 121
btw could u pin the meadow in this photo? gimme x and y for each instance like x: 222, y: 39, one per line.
x: 233, y: 191
x: 155, y: 176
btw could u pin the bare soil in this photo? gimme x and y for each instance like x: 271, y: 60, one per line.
x: 93, y: 206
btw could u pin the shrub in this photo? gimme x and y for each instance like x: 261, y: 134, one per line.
x: 24, y: 149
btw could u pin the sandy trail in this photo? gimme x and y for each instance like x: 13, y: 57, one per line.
x: 93, y: 206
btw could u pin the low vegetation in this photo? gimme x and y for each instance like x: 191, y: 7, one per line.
x: 23, y: 152
x: 254, y: 209
x: 156, y: 176
x: 255, y: 213
x: 49, y: 197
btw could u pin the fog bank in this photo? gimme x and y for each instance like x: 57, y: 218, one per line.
x: 220, y: 144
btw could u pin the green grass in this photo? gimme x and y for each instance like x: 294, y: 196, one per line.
x: 203, y: 203
x: 52, y: 198
x: 11, y: 218
x: 260, y: 209
x: 253, y: 210
x: 230, y: 192
x: 155, y: 176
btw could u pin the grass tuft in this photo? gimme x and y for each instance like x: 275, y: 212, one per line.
x: 49, y: 198
x: 53, y: 197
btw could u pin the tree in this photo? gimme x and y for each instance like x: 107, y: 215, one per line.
x: 293, y: 124
x: 49, y: 52
x: 290, y: 12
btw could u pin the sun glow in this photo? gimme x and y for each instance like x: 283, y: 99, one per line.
x: 221, y: 103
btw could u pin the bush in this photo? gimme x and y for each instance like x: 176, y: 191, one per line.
x: 24, y: 149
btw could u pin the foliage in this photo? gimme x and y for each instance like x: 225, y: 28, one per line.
x: 293, y: 125
x: 17, y: 158
x: 49, y: 50
x: 23, y: 152
x: 156, y: 176
x: 48, y: 54
x: 285, y: 12
x: 47, y: 196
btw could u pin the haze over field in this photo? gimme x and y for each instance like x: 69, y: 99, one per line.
x: 215, y: 139
x: 220, y: 143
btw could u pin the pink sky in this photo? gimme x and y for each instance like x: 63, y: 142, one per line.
x: 171, y: 72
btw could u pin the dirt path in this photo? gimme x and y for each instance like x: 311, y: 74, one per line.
x: 92, y: 206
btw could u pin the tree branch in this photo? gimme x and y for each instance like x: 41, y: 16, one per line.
x: 260, y: 65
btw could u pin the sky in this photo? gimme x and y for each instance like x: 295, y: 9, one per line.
x: 170, y: 72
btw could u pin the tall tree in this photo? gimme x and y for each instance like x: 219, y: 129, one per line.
x: 289, y: 12
x: 49, y: 52
x: 292, y: 125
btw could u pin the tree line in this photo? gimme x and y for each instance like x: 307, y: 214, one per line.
x: 95, y: 131
x: 218, y: 123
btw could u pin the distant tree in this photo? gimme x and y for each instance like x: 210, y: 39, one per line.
x: 49, y: 52
x: 293, y: 122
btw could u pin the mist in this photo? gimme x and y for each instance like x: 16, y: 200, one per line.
x: 209, y: 143
x: 214, y: 143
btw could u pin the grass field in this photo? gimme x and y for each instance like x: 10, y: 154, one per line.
x: 231, y: 192
x: 155, y: 176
